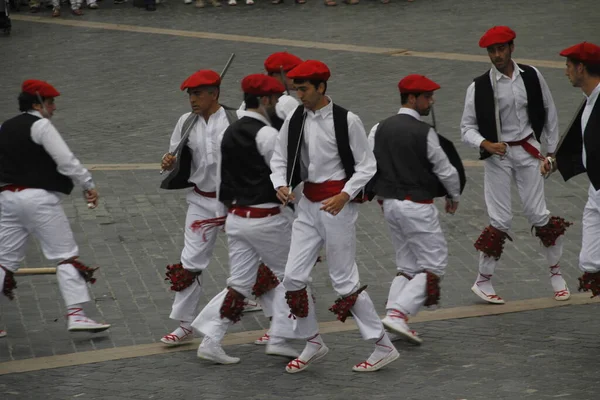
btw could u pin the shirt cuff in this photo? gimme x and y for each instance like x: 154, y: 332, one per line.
x: 278, y: 182
x: 88, y: 185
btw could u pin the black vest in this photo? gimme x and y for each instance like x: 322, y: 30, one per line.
x: 340, y: 126
x: 484, y: 105
x: 25, y: 163
x: 245, y: 176
x: 403, y: 168
x: 569, y: 155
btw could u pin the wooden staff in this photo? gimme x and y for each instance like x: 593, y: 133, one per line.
x: 36, y: 271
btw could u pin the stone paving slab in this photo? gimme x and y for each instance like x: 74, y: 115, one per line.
x: 121, y: 99
x: 537, y: 355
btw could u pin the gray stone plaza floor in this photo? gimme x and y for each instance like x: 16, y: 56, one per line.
x: 119, y: 69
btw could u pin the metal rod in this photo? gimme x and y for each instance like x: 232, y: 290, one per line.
x: 433, y: 118
x: 296, y: 154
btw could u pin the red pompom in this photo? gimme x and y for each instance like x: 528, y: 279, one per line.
x: 179, y: 277
x: 10, y: 284
x: 432, y: 289
x: 266, y: 280
x: 343, y: 305
x: 297, y: 300
x: 552, y: 230
x: 86, y: 272
x: 491, y: 242
x: 590, y: 282
x: 233, y: 305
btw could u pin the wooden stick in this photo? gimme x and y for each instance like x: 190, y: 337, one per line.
x: 36, y: 271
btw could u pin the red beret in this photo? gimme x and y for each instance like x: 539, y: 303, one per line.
x: 275, y: 61
x: 588, y: 53
x: 497, y: 35
x: 310, y: 69
x: 44, y: 89
x: 417, y: 84
x: 262, y: 85
x: 204, y: 77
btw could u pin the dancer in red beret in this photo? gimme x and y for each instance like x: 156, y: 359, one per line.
x: 37, y: 169
x: 411, y: 164
x: 275, y: 65
x: 579, y: 153
x: 258, y: 229
x: 325, y: 146
x: 193, y: 164
x: 509, y: 112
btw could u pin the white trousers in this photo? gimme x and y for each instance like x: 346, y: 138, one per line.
x: 39, y: 213
x: 197, y: 252
x: 311, y: 230
x: 523, y: 168
x: 420, y: 246
x: 251, y: 240
x: 589, y: 257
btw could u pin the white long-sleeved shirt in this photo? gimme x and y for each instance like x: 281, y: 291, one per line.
x: 266, y: 139
x: 45, y: 134
x: 514, y: 120
x: 320, y: 160
x: 585, y: 117
x: 205, y: 145
x: 441, y: 165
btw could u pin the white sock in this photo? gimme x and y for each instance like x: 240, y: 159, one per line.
x: 184, y: 328
x: 383, y: 347
x: 484, y: 283
x: 313, y: 345
x: 556, y: 279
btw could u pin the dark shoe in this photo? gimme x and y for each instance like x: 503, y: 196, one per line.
x: 150, y: 7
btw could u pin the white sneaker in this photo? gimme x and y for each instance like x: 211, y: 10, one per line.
x: 93, y: 6
x: 2, y: 333
x: 249, y: 2
x: 399, y: 326
x: 298, y: 365
x: 251, y: 306
x: 232, y: 3
x: 490, y: 298
x: 366, y: 366
x: 83, y: 324
x: 264, y: 339
x: 179, y: 336
x: 187, y: 1
x: 212, y: 351
x: 283, y: 350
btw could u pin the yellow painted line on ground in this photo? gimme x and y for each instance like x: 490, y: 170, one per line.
x: 120, y: 353
x: 277, y: 42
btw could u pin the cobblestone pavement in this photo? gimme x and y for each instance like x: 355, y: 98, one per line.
x: 120, y: 100
x: 537, y: 355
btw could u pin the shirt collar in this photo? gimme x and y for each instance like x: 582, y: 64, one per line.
x: 499, y: 75
x: 36, y: 113
x: 594, y: 95
x: 411, y: 112
x: 253, y: 114
x: 325, y: 111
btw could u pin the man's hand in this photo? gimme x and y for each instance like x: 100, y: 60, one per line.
x: 285, y: 195
x: 335, y: 204
x: 494, y: 148
x: 168, y: 162
x: 451, y: 206
x: 548, y: 166
x: 91, y: 196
